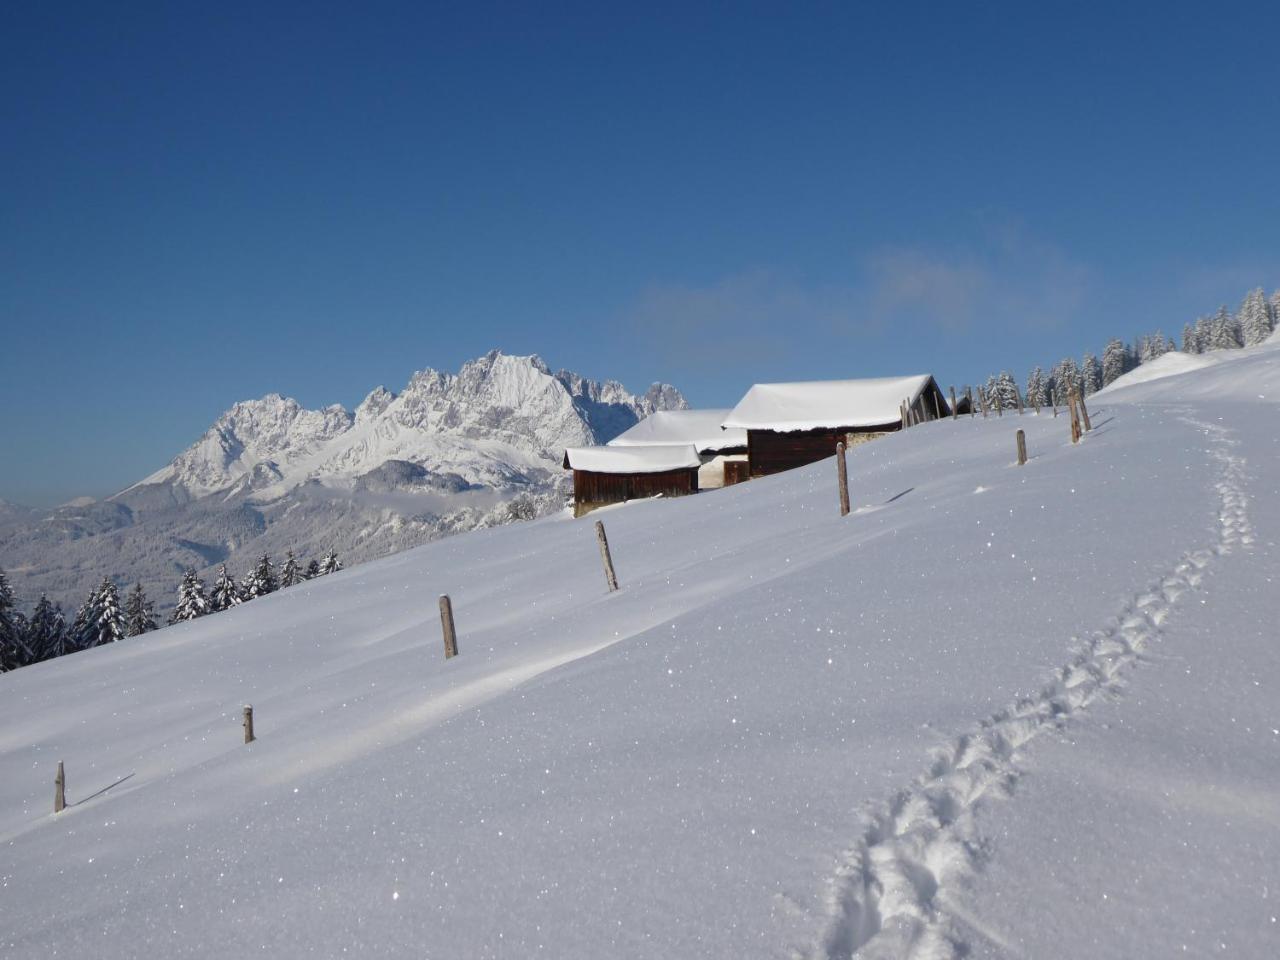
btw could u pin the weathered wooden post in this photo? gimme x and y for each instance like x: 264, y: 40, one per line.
x: 1022, y: 448
x: 1084, y: 413
x: 248, y: 723
x: 937, y: 411
x: 902, y: 415
x: 447, y: 627
x: 973, y: 410
x: 1054, y: 400
x: 955, y: 411
x: 1018, y: 393
x: 1075, y: 417
x: 609, y: 575
x: 842, y: 477
x: 60, y: 790
x: 982, y: 399
x: 999, y: 406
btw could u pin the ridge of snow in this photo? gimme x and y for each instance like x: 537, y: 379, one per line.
x: 817, y: 404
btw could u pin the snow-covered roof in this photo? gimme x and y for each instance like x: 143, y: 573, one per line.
x: 699, y: 427
x: 650, y: 459
x: 818, y: 404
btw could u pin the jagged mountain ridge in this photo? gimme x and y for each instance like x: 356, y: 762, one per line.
x: 449, y: 453
x: 500, y: 421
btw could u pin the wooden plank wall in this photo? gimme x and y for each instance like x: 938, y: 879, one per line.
x: 771, y: 452
x: 589, y: 487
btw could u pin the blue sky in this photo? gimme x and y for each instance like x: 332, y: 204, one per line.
x: 205, y: 203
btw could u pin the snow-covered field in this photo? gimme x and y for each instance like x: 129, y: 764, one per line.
x: 998, y: 711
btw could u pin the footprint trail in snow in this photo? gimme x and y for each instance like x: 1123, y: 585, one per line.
x: 888, y: 897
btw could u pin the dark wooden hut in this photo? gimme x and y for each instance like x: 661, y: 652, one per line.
x: 605, y: 475
x: 792, y: 424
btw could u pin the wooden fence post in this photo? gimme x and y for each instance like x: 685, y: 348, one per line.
x: 1018, y: 394
x: 1084, y: 412
x: 955, y: 411
x: 1075, y: 417
x: 60, y: 790
x: 842, y: 477
x: 248, y: 723
x: 973, y: 410
x: 605, y: 557
x: 937, y: 411
x: 982, y: 400
x: 447, y: 627
x: 1022, y: 448
x: 999, y: 406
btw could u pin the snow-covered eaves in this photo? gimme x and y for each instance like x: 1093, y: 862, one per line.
x: 825, y: 404
x: 698, y: 427
x: 650, y: 459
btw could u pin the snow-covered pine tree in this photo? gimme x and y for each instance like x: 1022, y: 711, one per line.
x: 192, y: 602
x: 1006, y: 390
x: 139, y: 615
x: 47, y: 631
x: 1090, y: 374
x: 330, y: 564
x: 107, y: 623
x: 262, y: 580
x: 1035, y: 388
x: 225, y: 593
x: 1204, y: 334
x: 1224, y: 331
x: 1274, y: 306
x: 1066, y: 375
x: 1113, y: 360
x: 1255, y: 318
x: 1189, y: 344
x: 82, y: 633
x: 13, y: 645
x: 290, y: 574
x: 1157, y: 345
x: 313, y: 569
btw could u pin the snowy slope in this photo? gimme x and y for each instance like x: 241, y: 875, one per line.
x: 996, y: 711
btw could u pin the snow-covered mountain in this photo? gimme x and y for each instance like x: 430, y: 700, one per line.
x: 499, y: 421
x: 995, y: 712
x: 450, y: 452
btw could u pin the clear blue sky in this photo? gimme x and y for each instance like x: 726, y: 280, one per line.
x: 204, y: 203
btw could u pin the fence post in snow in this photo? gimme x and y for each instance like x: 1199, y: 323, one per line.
x: 1075, y: 416
x: 1084, y: 413
x: 842, y: 474
x: 248, y: 723
x: 609, y: 576
x: 446, y: 626
x: 1018, y: 394
x: 937, y: 411
x: 982, y: 400
x: 973, y: 411
x: 60, y: 790
x: 1022, y: 448
x: 955, y: 411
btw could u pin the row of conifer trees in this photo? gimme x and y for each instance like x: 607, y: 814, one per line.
x: 1247, y: 327
x: 104, y: 618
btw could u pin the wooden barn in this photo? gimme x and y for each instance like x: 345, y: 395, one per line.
x: 605, y: 475
x: 791, y: 424
x: 723, y: 453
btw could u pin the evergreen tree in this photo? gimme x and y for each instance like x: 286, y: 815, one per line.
x: 290, y: 574
x: 330, y: 564
x: 1090, y: 374
x: 262, y: 580
x: 1255, y: 318
x: 1113, y: 360
x: 139, y: 615
x: 1274, y: 307
x: 1066, y: 376
x: 81, y: 635
x: 1189, y: 344
x: 13, y: 645
x: 192, y: 602
x: 1004, y: 390
x: 1203, y: 334
x: 47, y: 631
x: 1036, y: 394
x: 225, y: 592
x: 1224, y: 331
x: 106, y: 623
x: 313, y: 569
